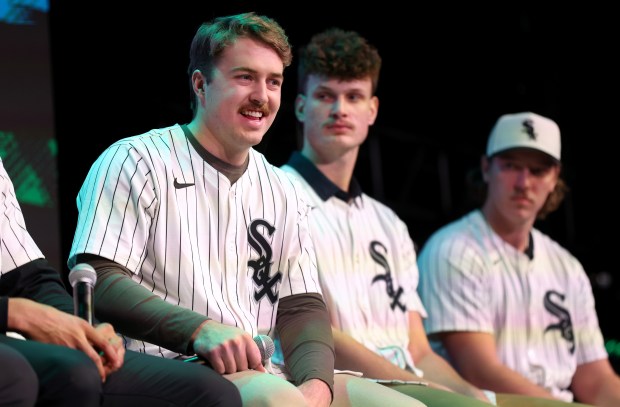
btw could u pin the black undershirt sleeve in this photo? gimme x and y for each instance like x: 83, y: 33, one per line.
x: 37, y: 281
x: 137, y: 312
x: 4, y: 314
x: 306, y: 337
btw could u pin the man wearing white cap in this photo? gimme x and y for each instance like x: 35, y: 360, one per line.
x: 508, y: 306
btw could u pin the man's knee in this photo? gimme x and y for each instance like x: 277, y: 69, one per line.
x: 210, y: 388
x: 353, y: 391
x: 265, y: 390
x: 72, y: 376
x: 21, y: 386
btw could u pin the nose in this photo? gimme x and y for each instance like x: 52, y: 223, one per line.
x: 523, y: 176
x: 259, y: 94
x: 338, y: 107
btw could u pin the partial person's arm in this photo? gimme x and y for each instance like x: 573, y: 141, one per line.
x: 594, y: 381
x: 35, y: 297
x: 474, y: 355
x: 46, y: 324
x: 4, y: 314
x: 39, y: 282
x: 353, y: 355
x: 137, y: 312
x: 435, y: 367
x: 597, y: 383
x: 142, y: 315
x: 228, y: 349
x: 307, y: 345
x: 41, y: 309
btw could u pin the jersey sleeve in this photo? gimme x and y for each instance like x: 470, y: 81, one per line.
x: 114, y: 204
x: 453, y: 286
x: 18, y: 247
x: 407, y: 271
x: 590, y: 344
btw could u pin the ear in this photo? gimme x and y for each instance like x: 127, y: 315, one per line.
x: 374, y: 110
x: 199, y: 83
x: 300, y: 105
x: 557, y: 169
x: 485, y: 163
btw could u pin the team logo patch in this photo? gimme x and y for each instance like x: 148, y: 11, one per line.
x: 379, y: 257
x: 528, y: 128
x: 565, y: 324
x: 265, y: 283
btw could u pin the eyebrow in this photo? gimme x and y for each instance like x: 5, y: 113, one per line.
x: 356, y: 89
x: 278, y: 75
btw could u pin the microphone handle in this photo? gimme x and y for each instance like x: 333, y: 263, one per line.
x: 83, y: 301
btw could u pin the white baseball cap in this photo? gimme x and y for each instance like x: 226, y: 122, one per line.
x: 525, y: 130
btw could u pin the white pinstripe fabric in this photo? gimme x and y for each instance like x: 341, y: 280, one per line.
x: 342, y: 234
x: 191, y: 245
x: 18, y: 247
x: 472, y: 280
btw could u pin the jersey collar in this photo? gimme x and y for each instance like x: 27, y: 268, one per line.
x: 323, y: 187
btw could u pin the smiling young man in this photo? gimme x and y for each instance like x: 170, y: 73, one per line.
x: 200, y: 244
x: 510, y: 307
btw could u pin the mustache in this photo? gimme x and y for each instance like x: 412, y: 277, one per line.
x: 520, y: 195
x: 257, y: 107
x: 339, y: 122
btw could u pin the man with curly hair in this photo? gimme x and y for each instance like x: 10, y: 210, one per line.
x: 365, y: 256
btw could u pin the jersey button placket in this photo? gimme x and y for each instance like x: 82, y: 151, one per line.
x: 351, y: 221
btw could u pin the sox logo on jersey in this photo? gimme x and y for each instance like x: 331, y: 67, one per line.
x: 262, y: 266
x: 380, y: 259
x: 565, y: 325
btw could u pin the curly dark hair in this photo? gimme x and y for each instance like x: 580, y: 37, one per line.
x: 340, y: 54
x: 215, y: 36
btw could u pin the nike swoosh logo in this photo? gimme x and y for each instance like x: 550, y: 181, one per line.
x: 178, y: 185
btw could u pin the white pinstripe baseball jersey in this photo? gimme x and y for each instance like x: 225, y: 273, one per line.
x: 152, y: 204
x: 367, y: 265
x: 540, y: 310
x: 18, y: 247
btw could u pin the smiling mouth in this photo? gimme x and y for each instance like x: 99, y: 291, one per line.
x: 254, y: 114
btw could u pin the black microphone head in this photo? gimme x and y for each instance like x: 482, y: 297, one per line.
x: 82, y: 272
x: 265, y: 345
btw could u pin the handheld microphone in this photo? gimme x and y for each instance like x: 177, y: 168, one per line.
x: 266, y: 347
x: 83, y: 278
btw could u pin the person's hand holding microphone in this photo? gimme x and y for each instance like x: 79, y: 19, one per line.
x: 100, y: 342
x: 229, y: 349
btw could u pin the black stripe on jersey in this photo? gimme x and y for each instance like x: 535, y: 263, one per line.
x: 175, y: 156
x: 86, y: 189
x: 240, y: 269
x: 157, y: 187
x: 205, y: 168
x: 263, y: 215
x: 219, y: 243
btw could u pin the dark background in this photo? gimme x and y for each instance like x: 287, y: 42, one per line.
x: 119, y: 69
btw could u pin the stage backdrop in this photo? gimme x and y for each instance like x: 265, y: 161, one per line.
x: 27, y: 140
